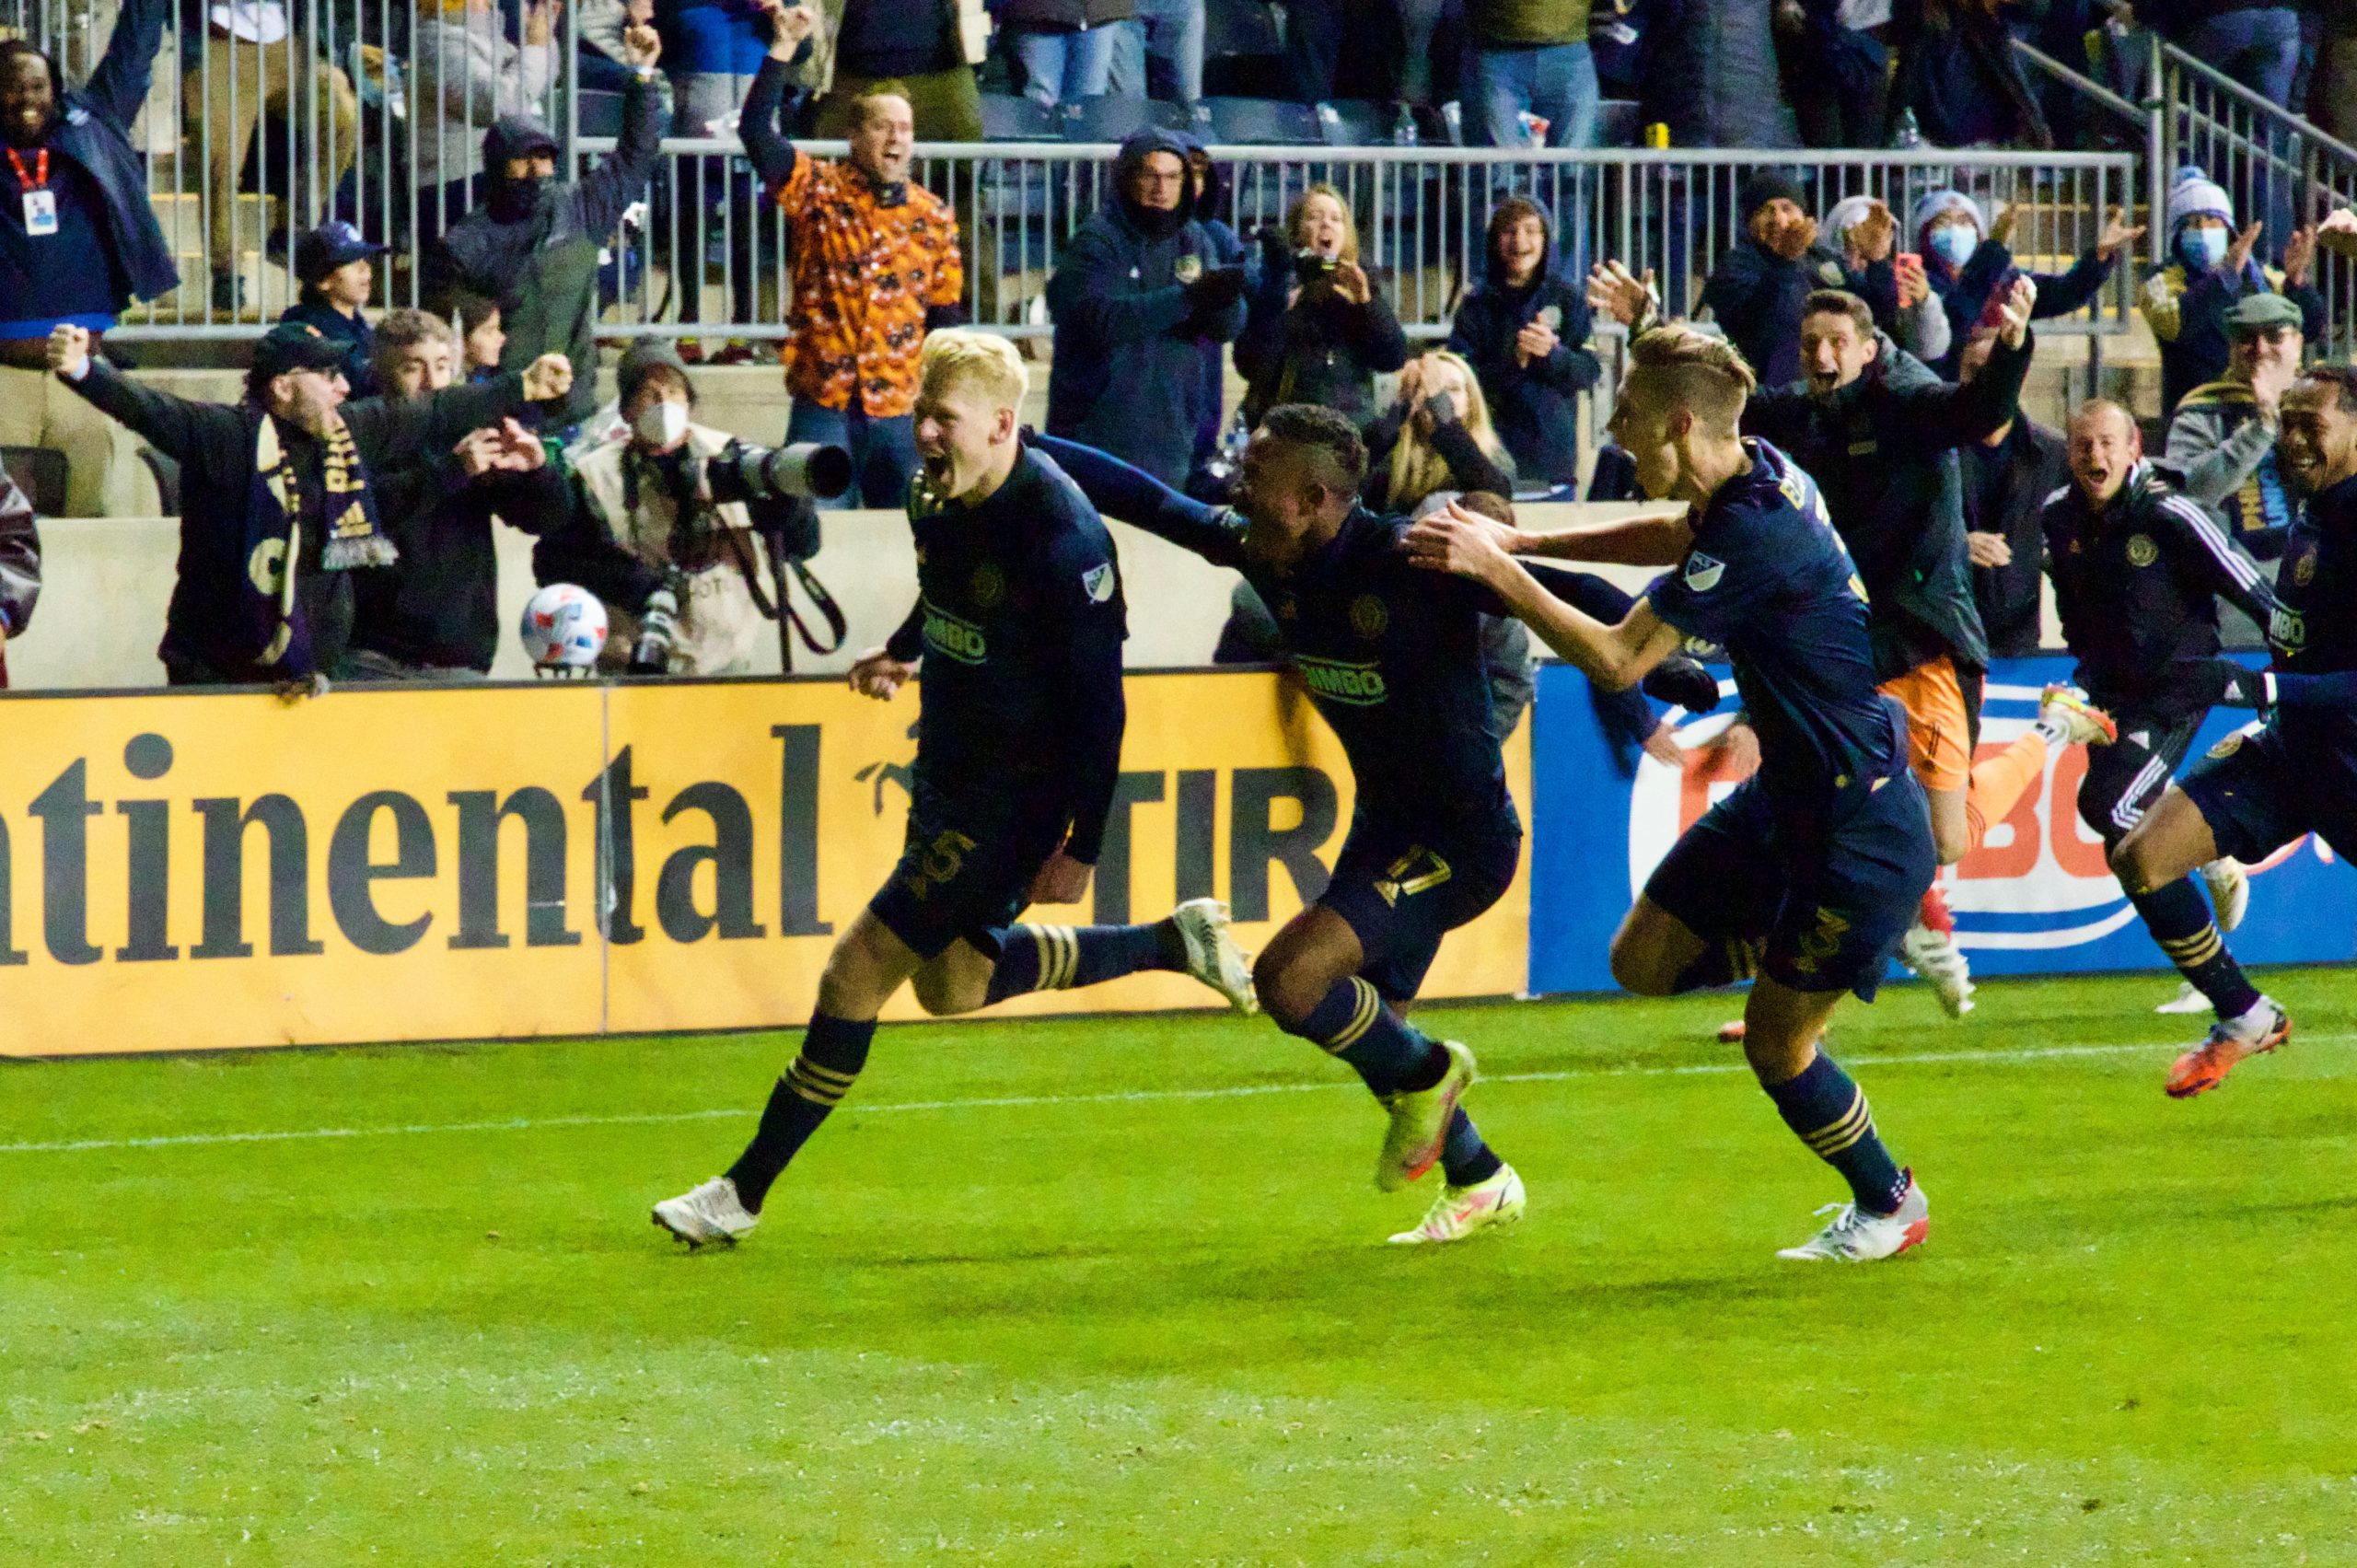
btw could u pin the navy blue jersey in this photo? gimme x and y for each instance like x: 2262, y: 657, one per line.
x: 1769, y: 580
x: 1390, y: 652
x: 1019, y: 622
x: 2315, y: 625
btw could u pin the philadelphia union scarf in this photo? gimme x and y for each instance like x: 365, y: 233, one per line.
x: 275, y: 537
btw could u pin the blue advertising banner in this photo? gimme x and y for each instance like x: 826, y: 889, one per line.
x: 2036, y: 898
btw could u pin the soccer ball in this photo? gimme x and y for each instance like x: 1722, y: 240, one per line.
x: 563, y: 628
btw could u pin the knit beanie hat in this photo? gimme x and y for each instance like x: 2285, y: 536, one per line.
x: 2195, y: 194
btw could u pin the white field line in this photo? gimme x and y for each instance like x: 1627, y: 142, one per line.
x: 1126, y: 1097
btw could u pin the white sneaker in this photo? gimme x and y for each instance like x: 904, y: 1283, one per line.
x: 1212, y: 956
x: 1855, y: 1237
x: 1460, y: 1212
x: 2229, y: 891
x: 1419, y: 1123
x: 2188, y: 999
x: 707, y: 1213
x: 1935, y: 957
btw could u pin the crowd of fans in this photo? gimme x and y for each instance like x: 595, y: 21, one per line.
x: 339, y: 520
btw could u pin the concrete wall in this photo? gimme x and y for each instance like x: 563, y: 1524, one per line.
x: 106, y: 583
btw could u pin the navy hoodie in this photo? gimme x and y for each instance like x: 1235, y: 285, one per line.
x: 1535, y: 407
x: 1130, y: 371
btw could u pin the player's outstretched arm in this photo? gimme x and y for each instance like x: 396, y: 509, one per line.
x: 1136, y: 497
x: 1659, y: 537
x: 1615, y: 657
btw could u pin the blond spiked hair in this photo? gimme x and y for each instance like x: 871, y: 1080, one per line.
x: 1693, y: 370
x: 982, y: 360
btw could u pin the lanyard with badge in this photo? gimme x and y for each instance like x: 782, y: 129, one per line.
x: 40, y: 202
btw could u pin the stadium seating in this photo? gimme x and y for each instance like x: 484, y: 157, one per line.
x: 1260, y: 122
x: 1111, y: 119
x: 1011, y: 117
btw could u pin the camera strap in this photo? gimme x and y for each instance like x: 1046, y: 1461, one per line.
x: 771, y: 609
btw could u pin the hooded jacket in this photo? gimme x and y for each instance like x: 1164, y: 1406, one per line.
x: 93, y: 129
x: 1883, y: 451
x: 1130, y: 371
x: 536, y: 252
x: 1535, y: 407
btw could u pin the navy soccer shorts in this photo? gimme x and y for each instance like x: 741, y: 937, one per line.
x: 2260, y: 792
x: 2125, y: 778
x: 1401, y: 896
x: 966, y: 870
x: 1825, y: 916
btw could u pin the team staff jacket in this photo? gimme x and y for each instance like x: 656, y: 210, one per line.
x: 873, y: 266
x: 1767, y: 580
x: 1882, y: 449
x: 1019, y: 620
x: 1392, y: 653
x: 2137, y: 585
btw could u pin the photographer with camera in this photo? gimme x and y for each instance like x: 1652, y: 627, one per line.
x: 688, y: 534
x: 1317, y: 328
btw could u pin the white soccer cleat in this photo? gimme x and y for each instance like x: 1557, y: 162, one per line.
x: 707, y: 1213
x: 1460, y: 1211
x: 1935, y: 956
x: 1212, y: 956
x: 2229, y: 891
x: 2188, y: 999
x: 1856, y: 1237
x: 2066, y: 708
x: 1419, y: 1123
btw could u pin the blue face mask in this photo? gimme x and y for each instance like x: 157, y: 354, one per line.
x: 2203, y: 248
x: 1955, y: 243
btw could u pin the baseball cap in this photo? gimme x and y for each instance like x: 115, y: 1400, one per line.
x: 290, y: 345
x: 327, y: 247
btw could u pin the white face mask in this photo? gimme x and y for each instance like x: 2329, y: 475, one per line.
x: 660, y: 424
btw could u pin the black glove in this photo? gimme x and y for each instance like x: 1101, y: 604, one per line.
x: 1680, y: 680
x: 2224, y: 683
x: 1218, y: 288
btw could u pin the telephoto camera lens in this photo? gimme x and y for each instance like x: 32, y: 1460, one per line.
x: 806, y: 471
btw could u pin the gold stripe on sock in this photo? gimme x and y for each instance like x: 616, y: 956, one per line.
x: 1362, y: 1020
x: 1069, y: 970
x: 820, y: 1073
x: 2198, y: 948
x: 798, y: 1079
x: 1044, y: 940
x: 1843, y: 1129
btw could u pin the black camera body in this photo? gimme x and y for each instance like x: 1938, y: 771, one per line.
x: 804, y: 471
x: 1309, y: 266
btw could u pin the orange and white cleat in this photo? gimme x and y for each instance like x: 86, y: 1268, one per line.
x: 1857, y: 1236
x: 2206, y: 1066
x: 2080, y: 722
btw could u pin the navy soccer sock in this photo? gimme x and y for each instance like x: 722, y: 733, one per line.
x: 1828, y: 1110
x: 1063, y: 958
x: 833, y: 1050
x: 2179, y: 918
x: 1388, y: 1053
x: 1464, y: 1157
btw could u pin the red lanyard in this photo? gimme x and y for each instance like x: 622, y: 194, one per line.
x: 39, y: 179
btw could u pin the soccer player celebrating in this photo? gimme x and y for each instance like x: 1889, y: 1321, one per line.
x: 2138, y: 571
x: 2298, y: 774
x: 1019, y: 622
x: 1807, y: 875
x: 1396, y: 667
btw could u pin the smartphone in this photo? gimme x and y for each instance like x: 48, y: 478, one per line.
x: 1908, y: 262
x: 1309, y: 266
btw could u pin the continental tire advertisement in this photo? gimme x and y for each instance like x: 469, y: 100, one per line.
x: 206, y: 870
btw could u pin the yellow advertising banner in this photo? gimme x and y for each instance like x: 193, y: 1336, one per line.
x: 203, y: 870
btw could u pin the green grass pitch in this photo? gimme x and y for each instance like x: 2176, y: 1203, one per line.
x: 1115, y: 1292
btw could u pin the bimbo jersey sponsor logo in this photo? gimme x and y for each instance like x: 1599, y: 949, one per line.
x: 955, y: 638
x: 1359, y: 685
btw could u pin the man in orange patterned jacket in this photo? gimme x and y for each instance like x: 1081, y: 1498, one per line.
x: 875, y: 267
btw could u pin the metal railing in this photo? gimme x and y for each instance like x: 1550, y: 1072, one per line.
x: 1421, y: 214
x: 374, y: 110
x: 2273, y: 165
